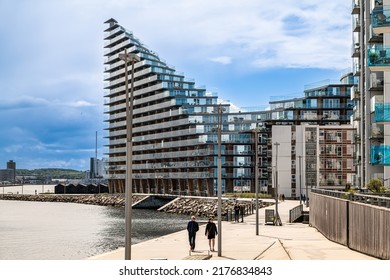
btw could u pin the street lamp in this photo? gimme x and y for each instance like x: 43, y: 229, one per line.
x: 257, y: 178
x: 219, y: 179
x: 277, y: 219
x: 300, y: 179
x: 129, y: 148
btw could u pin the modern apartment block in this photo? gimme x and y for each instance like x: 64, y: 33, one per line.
x: 312, y: 156
x: 324, y: 103
x: 371, y: 60
x: 315, y: 138
x: 176, y: 124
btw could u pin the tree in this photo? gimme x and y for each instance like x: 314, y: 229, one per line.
x: 376, y: 186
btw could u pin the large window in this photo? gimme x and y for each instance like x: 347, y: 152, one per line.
x: 331, y: 103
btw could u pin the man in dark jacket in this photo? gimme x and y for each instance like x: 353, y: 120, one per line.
x: 237, y: 209
x: 192, y: 228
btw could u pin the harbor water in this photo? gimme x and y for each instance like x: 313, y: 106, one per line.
x: 70, y: 231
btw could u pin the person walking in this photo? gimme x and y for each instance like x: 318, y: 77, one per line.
x: 237, y: 212
x: 192, y: 228
x: 211, y: 232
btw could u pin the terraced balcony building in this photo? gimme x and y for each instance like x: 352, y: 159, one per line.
x: 175, y: 129
x: 175, y: 125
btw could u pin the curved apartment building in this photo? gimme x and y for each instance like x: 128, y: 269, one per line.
x: 175, y: 126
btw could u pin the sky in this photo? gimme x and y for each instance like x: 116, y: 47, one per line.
x: 52, y: 62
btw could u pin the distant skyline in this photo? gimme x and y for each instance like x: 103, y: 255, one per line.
x: 52, y: 55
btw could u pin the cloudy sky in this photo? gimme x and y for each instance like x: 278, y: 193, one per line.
x: 51, y: 61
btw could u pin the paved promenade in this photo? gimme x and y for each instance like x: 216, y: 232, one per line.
x: 291, y: 241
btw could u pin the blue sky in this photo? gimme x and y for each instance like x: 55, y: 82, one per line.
x: 51, y: 61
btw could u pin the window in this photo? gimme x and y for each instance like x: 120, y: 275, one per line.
x: 339, y: 150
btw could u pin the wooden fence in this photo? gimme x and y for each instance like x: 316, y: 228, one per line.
x: 361, y: 227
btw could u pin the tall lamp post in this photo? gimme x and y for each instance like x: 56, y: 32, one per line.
x: 219, y: 187
x: 277, y: 219
x: 129, y: 57
x: 300, y: 179
x: 257, y: 178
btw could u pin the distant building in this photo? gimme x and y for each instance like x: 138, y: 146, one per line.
x: 9, y: 174
x: 313, y: 156
x: 96, y: 168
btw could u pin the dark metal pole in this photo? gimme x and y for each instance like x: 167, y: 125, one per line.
x: 219, y: 182
x: 300, y: 179
x: 129, y: 151
x: 128, y: 187
x: 307, y: 195
x: 277, y: 219
x: 257, y: 179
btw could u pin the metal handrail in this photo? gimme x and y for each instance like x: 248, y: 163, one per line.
x: 381, y: 200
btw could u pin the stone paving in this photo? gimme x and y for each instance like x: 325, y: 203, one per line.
x: 291, y: 241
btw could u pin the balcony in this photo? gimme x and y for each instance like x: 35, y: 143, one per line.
x: 355, y: 7
x: 355, y: 50
x: 356, y: 138
x: 380, y: 155
x: 379, y: 58
x: 356, y: 25
x: 382, y: 113
x: 356, y: 69
x: 376, y: 81
x: 355, y: 93
x: 373, y: 37
x: 356, y: 114
x: 381, y: 19
x: 377, y: 132
x: 357, y: 160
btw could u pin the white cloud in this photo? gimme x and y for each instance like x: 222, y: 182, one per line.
x: 12, y: 148
x: 81, y: 103
x: 222, y: 59
x: 286, y: 34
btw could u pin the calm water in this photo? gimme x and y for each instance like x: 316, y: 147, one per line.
x: 66, y: 231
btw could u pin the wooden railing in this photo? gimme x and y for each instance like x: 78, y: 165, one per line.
x: 358, y: 221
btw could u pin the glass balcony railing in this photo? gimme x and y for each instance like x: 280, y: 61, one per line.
x: 382, y: 112
x: 380, y: 155
x: 356, y: 25
x: 355, y: 93
x: 379, y: 56
x: 377, y: 131
x: 381, y: 17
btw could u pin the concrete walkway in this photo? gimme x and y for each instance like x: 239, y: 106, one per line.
x: 291, y: 241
